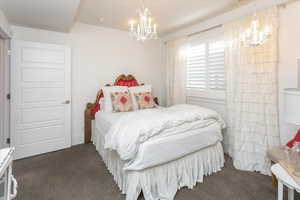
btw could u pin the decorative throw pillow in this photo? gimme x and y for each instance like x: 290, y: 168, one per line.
x: 121, y: 102
x: 138, y: 89
x: 107, y: 104
x: 144, y: 100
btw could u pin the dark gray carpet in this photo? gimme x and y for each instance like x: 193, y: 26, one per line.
x: 79, y: 174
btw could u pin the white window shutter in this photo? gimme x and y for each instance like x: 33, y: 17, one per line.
x: 196, y: 67
x: 216, y: 65
x: 206, y: 69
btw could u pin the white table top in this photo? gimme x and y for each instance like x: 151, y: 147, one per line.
x: 5, y: 158
x: 283, y: 176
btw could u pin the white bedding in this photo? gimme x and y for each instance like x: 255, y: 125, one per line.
x: 134, y: 128
x: 161, y: 181
x: 174, y: 143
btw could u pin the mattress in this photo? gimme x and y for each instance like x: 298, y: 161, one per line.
x: 163, y: 149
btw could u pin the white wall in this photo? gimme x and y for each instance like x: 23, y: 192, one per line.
x: 245, y: 10
x: 99, y: 55
x: 5, y: 30
x: 4, y: 80
x: 2, y: 95
x: 289, y: 52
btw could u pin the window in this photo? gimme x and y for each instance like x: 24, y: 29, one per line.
x: 205, y: 69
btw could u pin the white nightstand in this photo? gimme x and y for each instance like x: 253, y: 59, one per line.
x: 6, y: 177
x: 284, y: 179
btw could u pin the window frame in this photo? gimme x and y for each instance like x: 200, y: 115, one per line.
x: 206, y: 38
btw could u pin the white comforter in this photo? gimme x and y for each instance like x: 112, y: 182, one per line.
x: 134, y: 128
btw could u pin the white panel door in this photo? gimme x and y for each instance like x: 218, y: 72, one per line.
x: 40, y: 98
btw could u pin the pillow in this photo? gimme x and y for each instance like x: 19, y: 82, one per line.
x: 144, y: 100
x: 133, y: 90
x: 121, y: 101
x: 107, y: 104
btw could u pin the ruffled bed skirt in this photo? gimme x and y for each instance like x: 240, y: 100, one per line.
x: 163, y: 181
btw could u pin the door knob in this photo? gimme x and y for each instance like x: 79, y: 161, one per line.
x: 67, y: 102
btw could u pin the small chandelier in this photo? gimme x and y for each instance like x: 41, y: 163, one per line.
x: 143, y: 29
x: 254, y: 36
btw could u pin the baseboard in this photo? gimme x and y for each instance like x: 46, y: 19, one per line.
x: 76, y: 140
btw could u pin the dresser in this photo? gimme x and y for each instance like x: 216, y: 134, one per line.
x: 6, y: 178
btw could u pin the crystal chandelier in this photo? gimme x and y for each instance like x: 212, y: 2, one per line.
x: 143, y: 29
x: 254, y: 36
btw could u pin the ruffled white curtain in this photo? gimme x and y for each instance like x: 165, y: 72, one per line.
x: 252, y: 95
x: 176, y: 52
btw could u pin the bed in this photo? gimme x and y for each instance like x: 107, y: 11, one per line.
x: 177, y: 156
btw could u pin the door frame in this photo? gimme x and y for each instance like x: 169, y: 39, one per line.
x: 15, y: 44
x: 5, y: 90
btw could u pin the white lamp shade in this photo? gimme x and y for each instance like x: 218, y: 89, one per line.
x: 292, y: 106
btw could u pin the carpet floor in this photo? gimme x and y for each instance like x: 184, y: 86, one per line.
x: 78, y: 173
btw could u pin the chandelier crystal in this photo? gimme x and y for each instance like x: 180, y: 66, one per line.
x: 143, y: 29
x: 254, y: 36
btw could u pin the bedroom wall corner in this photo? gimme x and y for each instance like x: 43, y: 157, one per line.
x: 99, y: 55
x: 4, y: 25
x: 5, y: 35
x: 110, y: 53
x: 289, y: 53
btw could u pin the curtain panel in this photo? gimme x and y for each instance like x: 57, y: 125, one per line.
x: 252, y: 94
x: 176, y: 52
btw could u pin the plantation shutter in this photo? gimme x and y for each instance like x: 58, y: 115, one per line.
x: 215, y: 65
x: 206, y: 67
x: 196, y: 67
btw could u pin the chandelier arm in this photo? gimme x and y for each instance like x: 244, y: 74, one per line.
x: 255, y: 9
x: 254, y: 36
x: 143, y: 4
x: 144, y: 28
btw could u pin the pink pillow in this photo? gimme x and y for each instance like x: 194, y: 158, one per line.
x: 121, y: 102
x: 144, y: 100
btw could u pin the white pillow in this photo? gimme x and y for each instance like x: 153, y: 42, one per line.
x: 137, y: 89
x: 107, y: 96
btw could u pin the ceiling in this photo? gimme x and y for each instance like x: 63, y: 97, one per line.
x: 59, y: 15
x: 170, y: 15
x: 55, y: 15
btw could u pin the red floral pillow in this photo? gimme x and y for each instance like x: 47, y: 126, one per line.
x: 121, y: 102
x: 144, y: 100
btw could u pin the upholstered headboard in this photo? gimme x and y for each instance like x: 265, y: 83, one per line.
x: 93, y: 108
